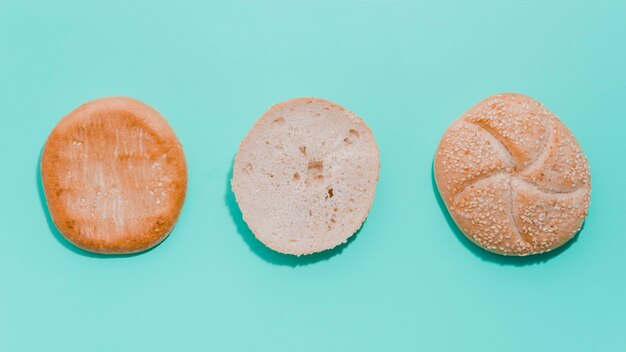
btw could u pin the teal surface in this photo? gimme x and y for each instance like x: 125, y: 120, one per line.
x: 408, y: 281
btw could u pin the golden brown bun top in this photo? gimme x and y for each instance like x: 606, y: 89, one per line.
x: 513, y: 176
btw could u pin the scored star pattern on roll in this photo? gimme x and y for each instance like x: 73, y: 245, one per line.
x: 513, y: 177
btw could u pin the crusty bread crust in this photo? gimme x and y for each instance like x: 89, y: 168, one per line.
x: 513, y: 177
x: 114, y: 176
x: 305, y: 175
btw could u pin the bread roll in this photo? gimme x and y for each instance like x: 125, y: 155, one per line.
x: 513, y: 177
x: 305, y: 175
x: 114, y: 176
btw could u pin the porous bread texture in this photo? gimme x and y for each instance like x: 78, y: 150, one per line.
x: 305, y: 175
x: 513, y: 177
x: 114, y: 176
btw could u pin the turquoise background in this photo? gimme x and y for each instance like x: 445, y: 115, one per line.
x: 409, y: 281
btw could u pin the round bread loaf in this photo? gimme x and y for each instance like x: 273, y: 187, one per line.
x: 114, y: 176
x: 513, y: 177
x: 305, y: 175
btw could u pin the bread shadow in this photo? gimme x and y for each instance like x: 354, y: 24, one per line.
x: 266, y: 253
x: 60, y: 238
x: 492, y: 257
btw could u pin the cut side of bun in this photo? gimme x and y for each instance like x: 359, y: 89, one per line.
x: 305, y: 175
x: 114, y: 176
x: 513, y: 177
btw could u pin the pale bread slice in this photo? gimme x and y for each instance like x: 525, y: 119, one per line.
x: 513, y: 177
x: 305, y: 175
x: 114, y: 176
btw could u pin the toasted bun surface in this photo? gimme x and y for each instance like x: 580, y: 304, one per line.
x: 513, y: 177
x: 114, y: 176
x: 305, y: 175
